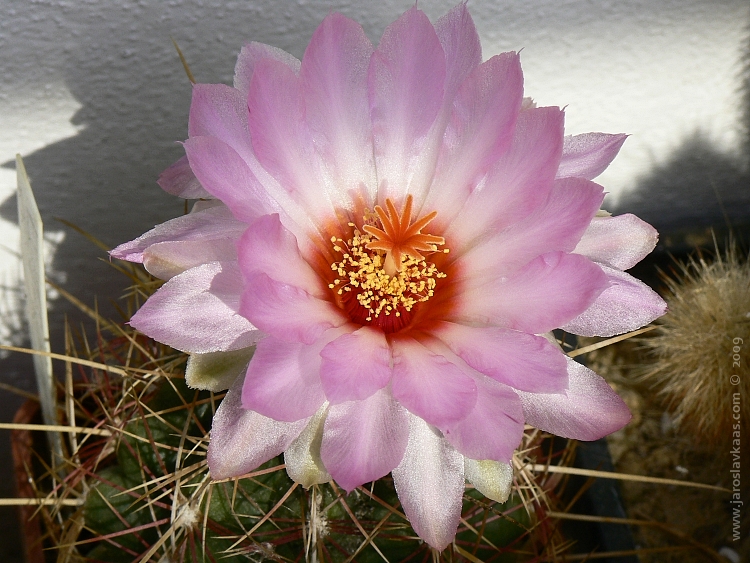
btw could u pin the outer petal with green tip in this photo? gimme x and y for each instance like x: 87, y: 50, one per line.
x: 491, y: 478
x: 302, y: 457
x: 216, y: 371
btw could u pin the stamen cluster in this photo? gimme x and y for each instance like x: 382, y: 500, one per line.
x: 373, y: 293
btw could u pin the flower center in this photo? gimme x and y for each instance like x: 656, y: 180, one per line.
x: 383, y: 273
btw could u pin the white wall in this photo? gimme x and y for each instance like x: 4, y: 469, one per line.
x: 93, y: 96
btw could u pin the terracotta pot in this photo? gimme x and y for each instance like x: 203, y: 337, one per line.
x: 22, y: 442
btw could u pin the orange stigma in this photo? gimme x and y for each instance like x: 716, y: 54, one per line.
x: 399, y: 237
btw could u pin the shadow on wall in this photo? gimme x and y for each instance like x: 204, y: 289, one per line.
x: 700, y: 189
x: 122, y: 68
x: 103, y: 178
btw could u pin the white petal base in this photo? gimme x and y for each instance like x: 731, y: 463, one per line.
x: 430, y: 484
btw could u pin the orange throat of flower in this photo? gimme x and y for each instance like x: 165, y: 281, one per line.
x: 383, y: 274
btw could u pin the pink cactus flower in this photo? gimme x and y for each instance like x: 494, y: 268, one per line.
x: 391, y: 233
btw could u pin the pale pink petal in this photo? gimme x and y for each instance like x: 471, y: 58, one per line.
x: 546, y: 293
x: 462, y: 54
x: 282, y: 142
x: 285, y: 311
x: 619, y: 242
x: 480, y: 129
x: 337, y: 111
x: 355, y: 365
x: 588, y: 155
x: 588, y: 410
x: 241, y: 440
x: 283, y: 380
x: 227, y: 176
x: 178, y: 179
x: 430, y: 484
x: 429, y: 385
x: 166, y: 260
x: 364, y: 440
x: 557, y: 225
x: 220, y: 111
x: 249, y: 56
x: 463, y: 51
x: 520, y: 360
x: 198, y: 311
x: 519, y: 181
x: 406, y: 81
x: 212, y: 223
x: 268, y: 247
x: 493, y: 429
x: 627, y: 304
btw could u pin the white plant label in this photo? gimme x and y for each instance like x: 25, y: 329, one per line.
x: 32, y: 256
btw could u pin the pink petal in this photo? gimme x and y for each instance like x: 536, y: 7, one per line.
x: 546, y: 293
x: 588, y: 155
x: 364, y: 440
x: 227, y: 176
x: 249, y: 56
x: 523, y: 361
x: 268, y: 247
x: 282, y: 142
x: 460, y: 41
x: 429, y: 385
x: 241, y: 440
x: 334, y: 85
x: 480, y: 129
x: 588, y: 410
x: 619, y: 242
x: 557, y: 225
x: 406, y: 82
x: 178, y: 179
x: 166, y: 260
x: 355, y: 365
x: 493, y: 429
x: 627, y: 304
x: 286, y: 311
x: 208, y: 224
x: 519, y: 181
x: 430, y: 484
x: 197, y: 311
x: 220, y: 111
x: 283, y: 380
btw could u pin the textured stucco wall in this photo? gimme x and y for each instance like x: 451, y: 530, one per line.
x: 93, y: 96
